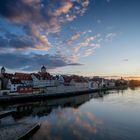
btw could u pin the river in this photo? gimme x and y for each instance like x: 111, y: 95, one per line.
x: 113, y: 115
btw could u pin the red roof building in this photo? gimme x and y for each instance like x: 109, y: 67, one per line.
x: 23, y: 76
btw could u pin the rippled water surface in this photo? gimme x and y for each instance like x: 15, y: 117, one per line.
x: 114, y: 115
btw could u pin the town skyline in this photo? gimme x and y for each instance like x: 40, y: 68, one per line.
x: 87, y: 37
x: 55, y: 74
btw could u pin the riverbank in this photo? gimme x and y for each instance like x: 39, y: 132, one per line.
x: 41, y: 96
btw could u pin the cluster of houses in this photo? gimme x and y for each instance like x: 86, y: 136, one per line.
x: 41, y: 81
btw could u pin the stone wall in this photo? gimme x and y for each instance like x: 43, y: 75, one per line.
x: 64, y: 89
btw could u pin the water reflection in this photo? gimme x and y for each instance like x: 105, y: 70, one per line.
x: 108, y: 115
x: 68, y: 124
x: 45, y: 107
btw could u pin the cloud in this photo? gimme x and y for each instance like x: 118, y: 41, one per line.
x: 110, y: 36
x: 99, y: 21
x: 73, y: 37
x: 17, y: 42
x: 27, y: 26
x: 88, y: 52
x: 108, y: 1
x: 75, y: 64
x: 41, y: 14
x: 85, y: 46
x: 88, y: 42
x: 80, y: 125
x: 85, y: 3
x: 125, y: 59
x: 63, y: 9
x: 70, y: 17
x: 33, y: 61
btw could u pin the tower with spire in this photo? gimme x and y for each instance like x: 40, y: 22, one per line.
x: 3, y: 70
x: 43, y: 69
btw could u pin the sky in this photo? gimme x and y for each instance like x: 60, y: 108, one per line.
x: 84, y: 37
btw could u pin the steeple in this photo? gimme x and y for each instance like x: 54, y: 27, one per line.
x: 3, y: 70
x: 43, y: 69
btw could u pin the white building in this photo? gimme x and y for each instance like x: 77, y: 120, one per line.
x: 102, y: 83
x: 13, y: 84
x: 38, y: 82
x: 93, y: 84
x: 42, y: 79
x: 111, y: 83
x: 60, y: 80
x: 79, y: 84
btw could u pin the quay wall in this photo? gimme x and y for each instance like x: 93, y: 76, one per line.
x: 64, y: 89
x: 51, y: 94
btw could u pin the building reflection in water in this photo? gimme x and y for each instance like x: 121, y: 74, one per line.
x: 79, y: 117
x: 45, y: 107
x: 60, y: 117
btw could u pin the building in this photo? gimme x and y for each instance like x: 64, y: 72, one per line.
x: 25, y: 78
x: 3, y: 70
x: 93, y: 84
x: 24, y: 89
x: 43, y: 69
x: 37, y: 81
x: 60, y: 80
x: 67, y: 80
x: 102, y: 83
x: 0, y: 83
x: 110, y: 83
x: 79, y: 83
x: 5, y: 78
x: 42, y: 79
x: 13, y: 84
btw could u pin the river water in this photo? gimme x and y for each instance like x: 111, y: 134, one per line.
x: 113, y: 115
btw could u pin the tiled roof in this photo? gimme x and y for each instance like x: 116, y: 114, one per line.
x: 79, y: 79
x: 45, y: 76
x: 23, y: 76
x: 67, y: 79
x: 37, y: 75
x: 16, y: 81
x: 76, y: 78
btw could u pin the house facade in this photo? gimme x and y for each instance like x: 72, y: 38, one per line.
x: 24, y: 89
x: 13, y: 84
x: 0, y: 84
x: 93, y: 84
x: 79, y: 83
x: 25, y: 78
x: 5, y: 78
x: 42, y: 79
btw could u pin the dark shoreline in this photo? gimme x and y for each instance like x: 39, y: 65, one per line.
x: 43, y: 96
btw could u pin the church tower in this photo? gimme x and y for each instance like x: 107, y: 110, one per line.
x: 3, y: 70
x: 43, y: 69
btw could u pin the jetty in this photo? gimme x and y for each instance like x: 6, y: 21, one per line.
x: 17, y: 130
